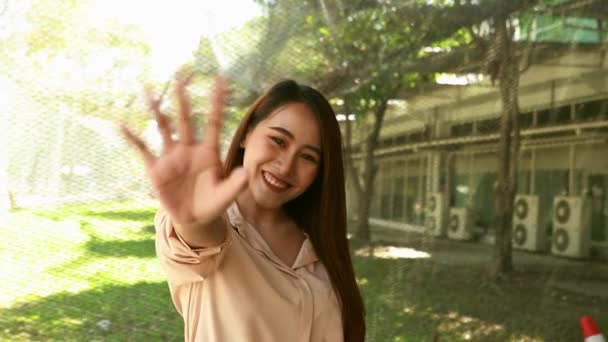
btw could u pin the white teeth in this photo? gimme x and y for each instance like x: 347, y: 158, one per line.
x: 270, y: 179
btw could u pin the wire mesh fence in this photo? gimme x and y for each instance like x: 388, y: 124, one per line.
x: 467, y: 126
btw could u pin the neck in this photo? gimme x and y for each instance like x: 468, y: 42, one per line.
x: 261, y: 218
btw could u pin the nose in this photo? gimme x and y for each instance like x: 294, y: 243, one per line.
x: 286, y: 164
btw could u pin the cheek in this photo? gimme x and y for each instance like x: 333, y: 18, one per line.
x: 308, y: 173
x: 250, y: 163
x: 257, y: 153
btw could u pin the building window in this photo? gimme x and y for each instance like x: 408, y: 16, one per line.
x: 388, y: 142
x: 461, y: 130
x: 553, y: 116
x: 416, y: 137
x: 488, y: 126
x: 386, y: 191
x: 398, y: 198
x: 593, y: 110
x: 400, y: 140
x: 375, y: 200
x: 526, y: 120
x: 483, y: 196
x: 398, y: 190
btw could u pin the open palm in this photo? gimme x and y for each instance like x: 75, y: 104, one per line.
x: 187, y: 176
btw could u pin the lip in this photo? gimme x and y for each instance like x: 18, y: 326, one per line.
x: 272, y: 187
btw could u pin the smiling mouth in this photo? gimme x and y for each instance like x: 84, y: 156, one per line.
x: 274, y: 183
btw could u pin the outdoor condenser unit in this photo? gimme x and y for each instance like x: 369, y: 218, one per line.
x: 436, y: 213
x: 460, y: 224
x: 528, y: 234
x: 571, y: 227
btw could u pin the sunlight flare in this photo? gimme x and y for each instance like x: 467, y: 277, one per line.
x: 391, y: 252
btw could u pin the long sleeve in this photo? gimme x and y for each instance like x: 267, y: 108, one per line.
x: 180, y: 263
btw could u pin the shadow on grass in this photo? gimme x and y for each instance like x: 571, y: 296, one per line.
x: 136, y: 214
x: 98, y: 210
x: 405, y: 298
x: 149, y: 229
x: 139, y: 312
x: 96, y: 248
x: 119, y: 248
x: 412, y: 299
x: 143, y: 248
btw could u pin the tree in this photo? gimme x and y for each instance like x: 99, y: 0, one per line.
x: 387, y: 44
x: 503, y: 63
x: 73, y: 79
x: 371, y: 55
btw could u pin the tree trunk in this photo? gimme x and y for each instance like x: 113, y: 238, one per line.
x: 508, y: 77
x: 363, y: 234
x: 352, y: 171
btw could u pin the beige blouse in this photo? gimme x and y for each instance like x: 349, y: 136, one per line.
x: 240, y: 291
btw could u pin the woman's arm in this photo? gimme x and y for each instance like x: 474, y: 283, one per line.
x: 203, y: 236
x: 187, y: 177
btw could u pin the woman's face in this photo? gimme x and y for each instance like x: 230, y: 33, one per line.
x: 282, y: 155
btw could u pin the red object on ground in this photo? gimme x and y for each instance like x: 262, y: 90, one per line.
x: 591, y: 333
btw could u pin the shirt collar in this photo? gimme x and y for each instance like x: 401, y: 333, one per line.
x: 306, y: 254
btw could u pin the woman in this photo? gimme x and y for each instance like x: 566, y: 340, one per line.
x: 255, y: 249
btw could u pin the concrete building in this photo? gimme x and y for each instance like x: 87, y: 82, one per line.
x: 437, y: 158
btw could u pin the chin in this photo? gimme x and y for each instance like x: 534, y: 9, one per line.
x: 268, y: 204
x: 267, y: 201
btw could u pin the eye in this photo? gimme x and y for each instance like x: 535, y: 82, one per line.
x: 310, y: 158
x: 278, y: 141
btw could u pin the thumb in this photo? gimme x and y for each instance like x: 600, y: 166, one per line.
x: 229, y: 188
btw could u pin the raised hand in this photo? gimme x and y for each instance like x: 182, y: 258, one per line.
x: 187, y: 176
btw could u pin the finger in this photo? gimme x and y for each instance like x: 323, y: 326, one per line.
x: 229, y: 188
x: 162, y: 121
x: 185, y: 123
x: 211, y: 136
x: 139, y: 144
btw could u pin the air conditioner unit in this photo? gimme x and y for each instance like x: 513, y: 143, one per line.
x: 528, y: 234
x: 435, y: 214
x: 460, y: 224
x: 571, y: 227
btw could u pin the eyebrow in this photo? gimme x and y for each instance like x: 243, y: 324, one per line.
x: 290, y: 135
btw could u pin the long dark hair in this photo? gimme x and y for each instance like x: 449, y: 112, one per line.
x: 321, y: 210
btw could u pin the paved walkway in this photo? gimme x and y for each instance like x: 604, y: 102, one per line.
x: 585, y: 277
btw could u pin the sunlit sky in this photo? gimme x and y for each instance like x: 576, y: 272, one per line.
x: 174, y: 28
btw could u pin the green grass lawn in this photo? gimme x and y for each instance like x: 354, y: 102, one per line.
x: 65, y: 270
x: 410, y: 300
